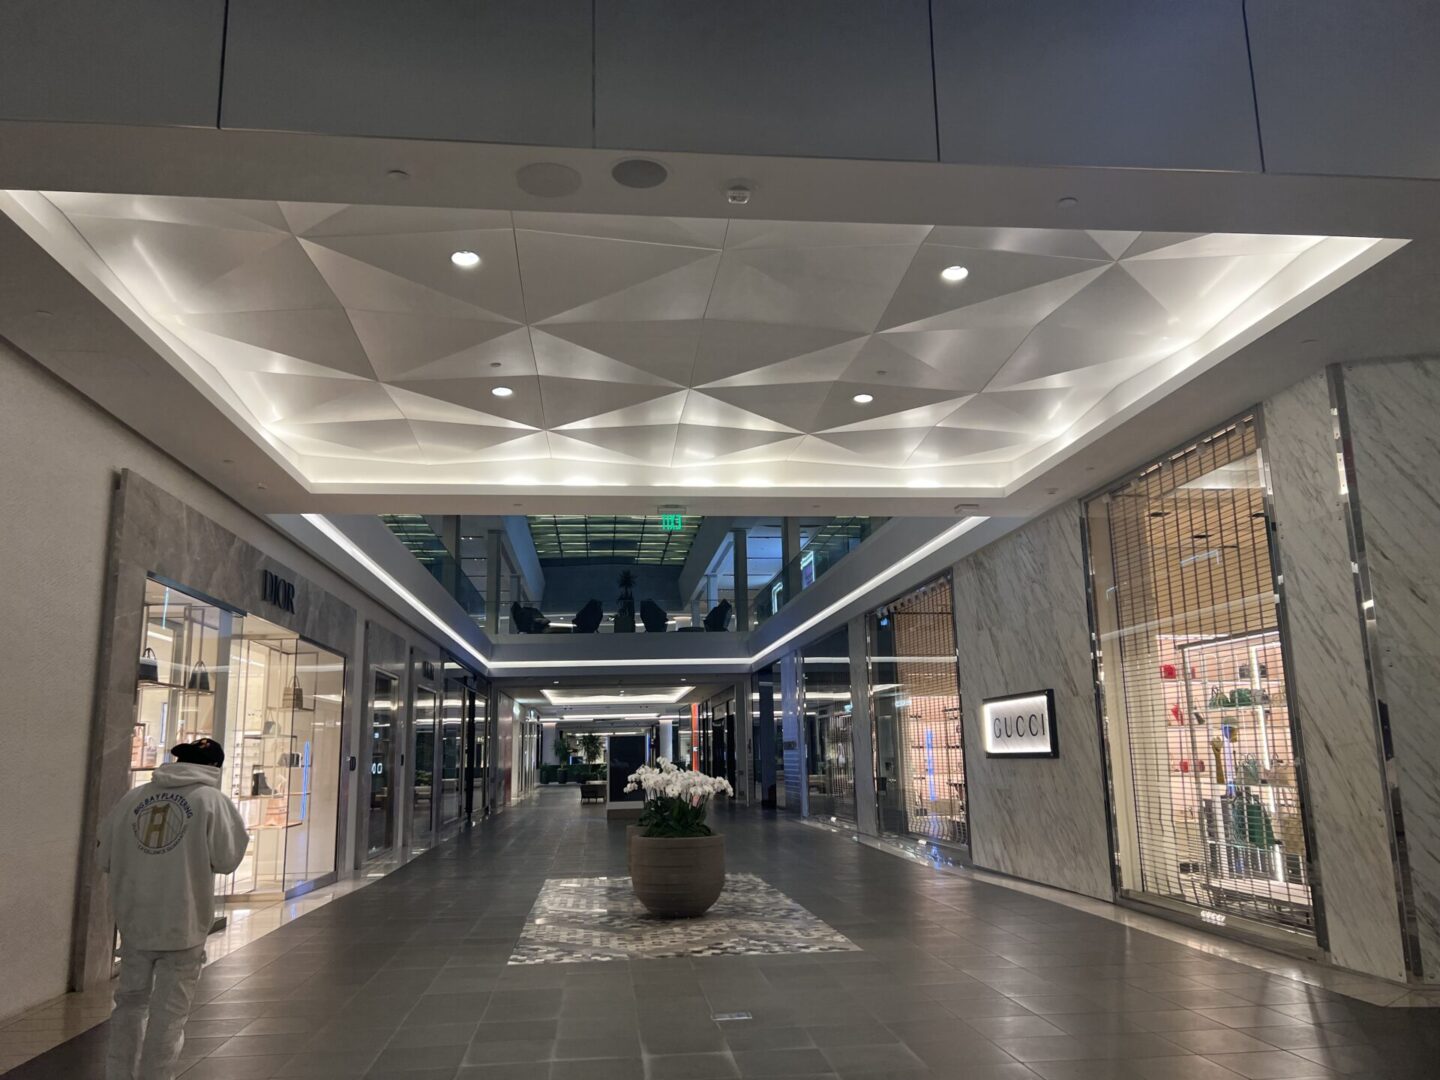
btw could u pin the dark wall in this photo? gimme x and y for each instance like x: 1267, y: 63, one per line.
x: 568, y: 587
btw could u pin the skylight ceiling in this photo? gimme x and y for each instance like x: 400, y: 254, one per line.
x: 579, y: 538
x: 395, y: 348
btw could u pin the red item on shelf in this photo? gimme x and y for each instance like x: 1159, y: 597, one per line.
x: 1167, y: 671
x: 1175, y: 714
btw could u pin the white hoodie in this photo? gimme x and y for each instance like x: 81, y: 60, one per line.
x: 162, y: 846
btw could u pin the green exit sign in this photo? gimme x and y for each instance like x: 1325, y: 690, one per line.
x: 672, y: 522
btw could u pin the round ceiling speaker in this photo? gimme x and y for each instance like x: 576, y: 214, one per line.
x: 639, y: 173
x: 547, y: 180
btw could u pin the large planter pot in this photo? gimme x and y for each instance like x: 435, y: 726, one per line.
x: 677, y: 878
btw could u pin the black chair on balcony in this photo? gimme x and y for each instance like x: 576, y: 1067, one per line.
x: 589, y: 617
x: 528, y: 620
x: 653, y: 616
x: 718, y: 620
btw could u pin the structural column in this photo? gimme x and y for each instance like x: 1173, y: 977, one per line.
x: 740, y: 554
x: 493, y: 550
x: 792, y: 728
x: 862, y: 732
x: 790, y: 557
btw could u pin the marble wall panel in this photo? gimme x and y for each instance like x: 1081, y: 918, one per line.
x: 1022, y: 624
x: 1345, y: 785
x: 1392, y: 406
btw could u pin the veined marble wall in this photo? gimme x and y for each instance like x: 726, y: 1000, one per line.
x: 1392, y: 406
x: 1021, y: 622
x: 1345, y: 789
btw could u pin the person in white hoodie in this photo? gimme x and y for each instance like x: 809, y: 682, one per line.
x: 162, y: 846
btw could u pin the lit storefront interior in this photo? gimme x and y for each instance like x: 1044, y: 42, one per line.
x: 1206, y: 793
x: 273, y: 700
x: 829, y: 712
x: 915, y: 702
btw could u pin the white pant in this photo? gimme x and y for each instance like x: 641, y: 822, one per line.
x: 147, y: 1028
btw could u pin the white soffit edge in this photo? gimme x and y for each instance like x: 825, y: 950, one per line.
x: 691, y: 354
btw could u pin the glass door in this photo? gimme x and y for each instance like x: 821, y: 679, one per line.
x: 422, y: 803
x: 452, y: 752
x: 380, y: 832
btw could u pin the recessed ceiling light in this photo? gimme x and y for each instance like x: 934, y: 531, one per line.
x: 863, y: 399
x: 954, y: 273
x: 501, y: 391
x: 466, y: 260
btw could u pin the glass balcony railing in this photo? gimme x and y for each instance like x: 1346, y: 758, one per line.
x: 430, y: 551
x: 826, y: 548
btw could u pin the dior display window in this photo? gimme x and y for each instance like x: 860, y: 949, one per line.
x: 915, y: 704
x: 1204, y: 758
x: 274, y: 701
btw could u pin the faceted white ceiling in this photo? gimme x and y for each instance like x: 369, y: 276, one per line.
x: 683, y: 353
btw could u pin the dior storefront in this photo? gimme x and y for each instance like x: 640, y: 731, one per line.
x: 205, y: 635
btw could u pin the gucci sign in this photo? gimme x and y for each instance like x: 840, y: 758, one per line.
x: 1022, y: 725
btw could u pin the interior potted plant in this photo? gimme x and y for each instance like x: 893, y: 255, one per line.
x: 677, y: 865
x: 625, y: 609
x: 563, y: 751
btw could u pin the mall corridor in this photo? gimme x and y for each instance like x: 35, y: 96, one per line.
x: 874, y: 966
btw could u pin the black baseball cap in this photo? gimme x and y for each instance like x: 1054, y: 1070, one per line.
x: 200, y: 752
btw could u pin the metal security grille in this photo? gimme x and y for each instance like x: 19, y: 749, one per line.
x: 915, y: 699
x: 1199, y: 727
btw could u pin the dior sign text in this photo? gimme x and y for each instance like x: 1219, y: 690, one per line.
x: 1022, y: 725
x: 276, y: 590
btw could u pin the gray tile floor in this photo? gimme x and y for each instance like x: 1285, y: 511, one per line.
x: 954, y: 978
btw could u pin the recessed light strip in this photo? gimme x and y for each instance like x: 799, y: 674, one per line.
x: 926, y: 549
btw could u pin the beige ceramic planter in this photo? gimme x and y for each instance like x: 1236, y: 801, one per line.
x: 677, y: 878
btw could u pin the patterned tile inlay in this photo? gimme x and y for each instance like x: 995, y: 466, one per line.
x: 577, y: 919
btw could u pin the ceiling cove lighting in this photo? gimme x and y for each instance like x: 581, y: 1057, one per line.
x: 466, y: 260
x: 953, y: 274
x: 863, y: 399
x: 668, y: 696
x: 935, y: 543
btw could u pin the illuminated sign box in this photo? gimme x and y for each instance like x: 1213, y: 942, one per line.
x: 1020, y: 725
x: 671, y: 522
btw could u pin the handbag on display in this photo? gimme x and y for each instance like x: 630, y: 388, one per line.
x: 295, y: 696
x: 1168, y: 671
x: 199, y: 680
x: 149, y: 666
x: 259, y: 785
x: 1241, y: 697
x: 1244, y: 672
x: 290, y: 761
x: 1219, y: 699
x: 269, y: 728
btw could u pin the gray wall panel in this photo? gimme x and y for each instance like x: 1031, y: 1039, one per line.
x: 154, y: 62
x: 479, y: 70
x: 1143, y: 83
x: 808, y: 78
x: 1348, y: 88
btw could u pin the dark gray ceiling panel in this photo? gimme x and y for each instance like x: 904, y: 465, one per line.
x: 474, y: 70
x: 804, y: 78
x: 1348, y: 88
x: 109, y: 62
x: 1130, y: 83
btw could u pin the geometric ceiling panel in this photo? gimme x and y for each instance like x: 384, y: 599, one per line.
x: 671, y: 352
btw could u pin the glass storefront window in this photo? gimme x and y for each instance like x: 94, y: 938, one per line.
x: 274, y: 701
x: 422, y: 809
x: 915, y: 704
x: 452, y: 751
x: 381, y: 829
x: 829, y: 723
x: 1206, y: 793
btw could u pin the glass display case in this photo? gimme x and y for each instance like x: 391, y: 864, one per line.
x: 274, y: 702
